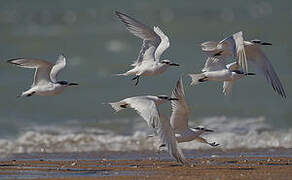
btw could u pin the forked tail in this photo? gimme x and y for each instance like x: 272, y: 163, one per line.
x: 197, y: 78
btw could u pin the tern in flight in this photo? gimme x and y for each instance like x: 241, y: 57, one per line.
x: 45, y: 82
x: 246, y: 52
x: 180, y: 117
x: 155, y: 42
x: 215, y: 69
x: 147, y: 107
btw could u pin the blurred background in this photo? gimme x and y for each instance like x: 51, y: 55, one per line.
x: 98, y: 45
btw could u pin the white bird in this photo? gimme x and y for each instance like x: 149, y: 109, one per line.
x: 246, y: 51
x: 216, y: 70
x: 45, y: 82
x: 147, y: 107
x: 180, y: 117
x: 155, y: 42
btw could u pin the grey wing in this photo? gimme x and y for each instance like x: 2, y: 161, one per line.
x: 233, y: 46
x: 180, y: 110
x: 214, y: 64
x: 167, y: 137
x: 164, y: 44
x: 150, y: 39
x: 146, y: 108
x: 42, y: 67
x: 60, y: 64
x: 258, y: 58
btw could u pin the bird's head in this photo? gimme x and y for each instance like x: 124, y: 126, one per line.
x: 168, y: 63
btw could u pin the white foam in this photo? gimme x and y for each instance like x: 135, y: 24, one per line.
x: 230, y: 133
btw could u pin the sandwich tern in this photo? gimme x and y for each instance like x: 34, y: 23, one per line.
x: 180, y: 117
x: 246, y: 51
x: 216, y: 70
x: 155, y: 42
x: 147, y: 107
x: 45, y: 78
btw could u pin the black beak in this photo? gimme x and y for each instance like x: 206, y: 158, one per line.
x: 209, y: 130
x: 73, y: 84
x: 266, y: 43
x: 248, y: 74
x: 173, y: 64
x: 173, y: 99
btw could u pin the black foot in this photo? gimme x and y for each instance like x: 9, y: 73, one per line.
x: 137, y: 80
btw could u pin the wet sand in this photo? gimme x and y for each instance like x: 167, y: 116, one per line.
x: 211, y: 164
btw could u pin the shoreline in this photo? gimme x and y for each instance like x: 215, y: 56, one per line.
x: 208, y: 164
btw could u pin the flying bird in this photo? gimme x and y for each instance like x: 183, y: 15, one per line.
x: 155, y: 42
x: 147, y: 107
x: 45, y: 78
x: 245, y: 52
x: 180, y: 117
x: 215, y: 69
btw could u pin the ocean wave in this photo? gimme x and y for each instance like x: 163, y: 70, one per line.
x: 230, y: 133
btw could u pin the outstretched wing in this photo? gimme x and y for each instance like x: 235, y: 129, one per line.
x: 233, y: 46
x: 42, y: 72
x: 60, y: 64
x: 167, y: 137
x: 164, y: 44
x: 180, y: 110
x: 150, y: 39
x: 214, y: 64
x: 256, y: 56
x: 145, y: 108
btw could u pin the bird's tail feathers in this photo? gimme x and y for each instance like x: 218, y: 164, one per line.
x: 197, y: 78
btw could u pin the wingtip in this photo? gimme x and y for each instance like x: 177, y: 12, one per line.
x: 11, y: 61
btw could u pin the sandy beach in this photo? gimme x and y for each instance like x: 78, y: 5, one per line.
x: 209, y: 164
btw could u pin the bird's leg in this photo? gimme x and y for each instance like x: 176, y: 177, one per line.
x: 137, y: 79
